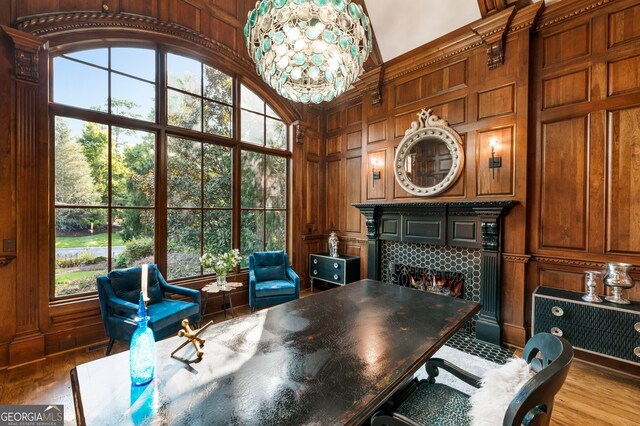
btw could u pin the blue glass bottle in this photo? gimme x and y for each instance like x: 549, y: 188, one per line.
x: 142, y: 352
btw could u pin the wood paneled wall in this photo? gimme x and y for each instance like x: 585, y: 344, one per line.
x: 585, y: 145
x: 479, y: 103
x: 565, y: 107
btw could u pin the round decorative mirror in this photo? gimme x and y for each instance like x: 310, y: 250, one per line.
x: 430, y: 157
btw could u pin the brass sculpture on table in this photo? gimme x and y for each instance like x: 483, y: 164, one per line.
x: 192, y: 337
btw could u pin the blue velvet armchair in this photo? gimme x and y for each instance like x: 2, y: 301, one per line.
x: 271, y: 279
x: 119, y: 293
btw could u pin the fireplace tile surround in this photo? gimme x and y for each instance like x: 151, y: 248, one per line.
x: 444, y: 232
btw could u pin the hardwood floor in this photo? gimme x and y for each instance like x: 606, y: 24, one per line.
x: 590, y: 396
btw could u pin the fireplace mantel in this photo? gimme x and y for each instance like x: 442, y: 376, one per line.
x: 475, y: 224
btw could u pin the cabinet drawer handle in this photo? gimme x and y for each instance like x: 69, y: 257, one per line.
x: 315, y: 272
x: 556, y: 331
x: 335, y: 276
x: 637, y: 326
x: 335, y: 265
x: 557, y: 311
x: 315, y: 261
x: 636, y: 351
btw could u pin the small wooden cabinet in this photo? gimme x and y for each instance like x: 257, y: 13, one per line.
x: 603, y: 328
x: 335, y: 270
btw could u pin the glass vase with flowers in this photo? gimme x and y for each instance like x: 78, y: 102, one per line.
x: 221, y: 264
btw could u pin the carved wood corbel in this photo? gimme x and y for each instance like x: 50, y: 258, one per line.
x: 492, y: 31
x: 300, y: 128
x: 26, y: 49
x: 371, y: 82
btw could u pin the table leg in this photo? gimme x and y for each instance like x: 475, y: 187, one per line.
x: 233, y: 315
x: 311, y: 280
x: 204, y: 307
x: 224, y: 307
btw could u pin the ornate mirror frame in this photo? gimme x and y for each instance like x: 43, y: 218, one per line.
x: 429, y: 126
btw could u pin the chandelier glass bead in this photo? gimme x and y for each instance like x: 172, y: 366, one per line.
x: 308, y: 50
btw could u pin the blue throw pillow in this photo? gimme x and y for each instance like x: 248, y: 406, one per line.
x: 126, y: 283
x: 269, y: 265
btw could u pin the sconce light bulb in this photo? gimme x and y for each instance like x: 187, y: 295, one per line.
x: 493, y: 143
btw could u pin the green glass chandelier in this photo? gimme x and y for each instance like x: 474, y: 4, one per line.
x: 308, y: 50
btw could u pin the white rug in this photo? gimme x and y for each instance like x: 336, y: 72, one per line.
x: 465, y: 361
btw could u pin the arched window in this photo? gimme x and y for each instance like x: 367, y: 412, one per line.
x: 146, y: 149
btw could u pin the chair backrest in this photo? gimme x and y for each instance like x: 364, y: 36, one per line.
x: 269, y: 265
x: 550, y: 357
x: 126, y: 284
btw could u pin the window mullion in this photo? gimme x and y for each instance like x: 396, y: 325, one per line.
x: 162, y: 182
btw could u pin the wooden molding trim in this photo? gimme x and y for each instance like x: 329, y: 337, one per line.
x: 492, y: 32
x: 432, y: 53
x: 567, y: 9
x: 516, y: 258
x: 525, y: 18
x: 568, y: 262
x: 574, y: 262
x: 55, y: 24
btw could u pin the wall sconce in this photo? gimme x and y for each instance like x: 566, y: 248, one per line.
x: 494, y: 162
x: 376, y: 174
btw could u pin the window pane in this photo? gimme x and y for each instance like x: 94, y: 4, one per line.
x: 81, y: 249
x: 250, y: 100
x: 183, y: 172
x: 276, y: 182
x: 217, y: 176
x: 133, y: 98
x: 217, y: 85
x: 132, y: 167
x: 81, y: 162
x: 251, y: 234
x: 276, y: 223
x: 252, y: 127
x: 217, y: 232
x: 271, y: 112
x: 184, y: 110
x: 80, y: 85
x: 134, y: 61
x: 183, y: 243
x: 252, y: 185
x: 218, y: 118
x: 98, y: 57
x: 276, y: 134
x: 131, y: 237
x: 184, y: 74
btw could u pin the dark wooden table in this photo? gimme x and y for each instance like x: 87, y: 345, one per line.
x: 332, y: 358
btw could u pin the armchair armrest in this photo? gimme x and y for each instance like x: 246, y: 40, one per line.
x: 433, y: 364
x: 182, y: 291
x: 122, y: 305
x: 252, y: 280
x: 291, y: 274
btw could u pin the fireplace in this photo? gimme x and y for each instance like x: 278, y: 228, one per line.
x: 401, y: 261
x: 456, y: 237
